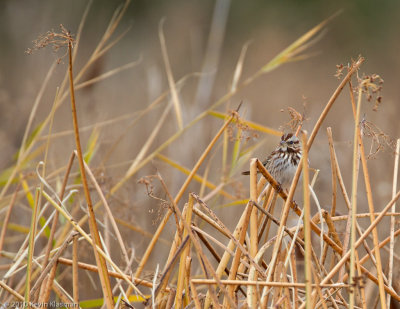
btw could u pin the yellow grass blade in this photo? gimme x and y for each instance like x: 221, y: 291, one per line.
x: 91, y: 146
x: 296, y: 47
x: 196, y: 177
x: 250, y: 124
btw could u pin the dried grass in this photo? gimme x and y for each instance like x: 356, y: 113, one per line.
x: 255, y: 265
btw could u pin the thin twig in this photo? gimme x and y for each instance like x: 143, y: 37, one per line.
x: 103, y: 274
x: 307, y: 230
x: 393, y: 220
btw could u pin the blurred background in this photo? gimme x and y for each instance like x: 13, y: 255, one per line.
x: 201, y: 36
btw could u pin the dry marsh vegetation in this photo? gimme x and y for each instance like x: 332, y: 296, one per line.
x: 72, y: 250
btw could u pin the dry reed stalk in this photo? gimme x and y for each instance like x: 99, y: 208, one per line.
x: 306, y: 218
x: 103, y: 274
x: 75, y: 260
x: 205, y: 236
x: 268, y: 284
x: 66, y: 228
x: 31, y: 248
x: 159, y: 292
x: 182, y: 273
x: 360, y: 283
x: 236, y: 258
x: 170, y: 300
x: 58, y: 290
x: 318, y: 289
x: 251, y: 292
x: 4, y: 286
x: 258, y: 257
x: 265, y: 227
x: 392, y: 219
x: 210, y: 221
x: 334, y: 189
x: 210, y: 248
x: 94, y: 268
x: 348, y: 204
x: 369, y: 198
x: 195, y: 295
x: 52, y: 262
x: 118, y: 285
x: 365, y: 215
x: 294, y: 278
x: 331, y: 228
x: 19, y: 288
x: 168, y: 267
x: 267, y: 201
x: 353, y: 210
x: 286, y: 289
x: 47, y: 287
x: 43, y: 165
x: 261, y: 185
x: 55, y: 219
x: 277, y: 222
x: 109, y: 214
x: 277, y: 292
x: 188, y: 277
x: 333, y: 170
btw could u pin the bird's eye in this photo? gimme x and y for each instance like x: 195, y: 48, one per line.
x: 291, y: 142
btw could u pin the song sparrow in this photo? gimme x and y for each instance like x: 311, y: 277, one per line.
x: 283, y: 161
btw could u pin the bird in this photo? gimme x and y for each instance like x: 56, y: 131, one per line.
x: 283, y: 161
